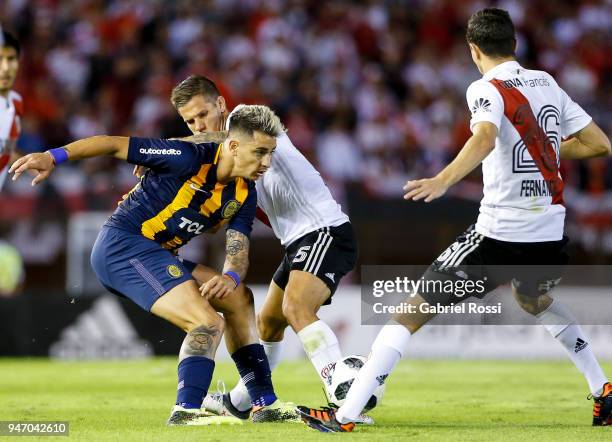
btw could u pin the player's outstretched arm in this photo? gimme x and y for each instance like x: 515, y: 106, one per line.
x: 590, y: 142
x: 43, y: 163
x: 476, y: 149
x: 234, y: 269
x: 203, y: 137
x: 97, y: 146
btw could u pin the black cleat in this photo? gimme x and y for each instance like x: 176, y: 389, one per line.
x: 602, y: 408
x: 323, y: 420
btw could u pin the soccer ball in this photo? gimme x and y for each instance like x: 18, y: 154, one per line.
x: 342, y: 376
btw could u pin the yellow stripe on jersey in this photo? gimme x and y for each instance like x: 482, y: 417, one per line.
x: 181, y: 201
x: 213, y: 203
x: 242, y: 190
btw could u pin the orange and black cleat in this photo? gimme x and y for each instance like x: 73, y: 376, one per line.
x: 602, y: 409
x: 323, y: 419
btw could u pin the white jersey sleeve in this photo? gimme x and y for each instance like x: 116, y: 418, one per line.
x: 485, y: 103
x: 573, y: 117
x: 294, y: 196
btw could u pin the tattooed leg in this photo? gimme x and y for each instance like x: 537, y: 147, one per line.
x: 196, y: 364
x: 202, y: 341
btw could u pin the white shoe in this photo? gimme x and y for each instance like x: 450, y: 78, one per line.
x: 220, y: 404
x: 364, y: 419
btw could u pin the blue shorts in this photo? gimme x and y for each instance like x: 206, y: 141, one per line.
x: 135, y: 267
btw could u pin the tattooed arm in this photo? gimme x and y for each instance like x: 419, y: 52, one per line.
x: 236, y: 253
x: 43, y: 163
x: 236, y: 260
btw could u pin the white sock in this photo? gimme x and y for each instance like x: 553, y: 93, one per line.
x: 387, y: 350
x: 273, y: 352
x: 560, y: 322
x: 322, y: 347
x: 239, y: 396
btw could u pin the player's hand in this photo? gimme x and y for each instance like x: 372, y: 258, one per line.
x: 41, y: 164
x: 427, y: 188
x: 139, y: 171
x: 218, y: 287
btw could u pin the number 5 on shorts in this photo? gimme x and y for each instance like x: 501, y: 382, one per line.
x: 301, y: 254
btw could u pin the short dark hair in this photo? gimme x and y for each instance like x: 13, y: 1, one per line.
x: 193, y: 86
x: 8, y: 40
x: 492, y: 30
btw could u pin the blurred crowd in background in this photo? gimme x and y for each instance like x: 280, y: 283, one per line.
x: 372, y: 92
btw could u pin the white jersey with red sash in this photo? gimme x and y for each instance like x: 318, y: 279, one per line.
x: 523, y: 189
x: 11, y: 110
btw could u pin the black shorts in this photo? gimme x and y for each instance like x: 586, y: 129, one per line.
x: 328, y: 253
x: 534, y: 268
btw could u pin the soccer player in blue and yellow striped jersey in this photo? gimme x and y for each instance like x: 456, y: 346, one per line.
x: 189, y: 189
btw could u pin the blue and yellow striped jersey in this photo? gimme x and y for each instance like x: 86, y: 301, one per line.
x: 179, y: 197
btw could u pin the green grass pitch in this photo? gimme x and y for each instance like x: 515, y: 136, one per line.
x: 425, y: 400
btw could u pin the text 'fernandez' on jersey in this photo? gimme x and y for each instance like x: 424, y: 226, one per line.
x: 179, y: 197
x: 523, y: 189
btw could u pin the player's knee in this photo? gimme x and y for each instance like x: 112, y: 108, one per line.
x: 270, y: 328
x: 215, y: 327
x: 196, y: 318
x: 244, y: 298
x: 294, y: 309
x: 525, y: 302
x: 532, y: 304
x: 203, y: 339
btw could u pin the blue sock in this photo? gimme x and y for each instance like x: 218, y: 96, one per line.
x: 194, y: 376
x: 252, y: 364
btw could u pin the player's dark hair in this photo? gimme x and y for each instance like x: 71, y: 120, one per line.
x: 193, y: 86
x: 8, y: 40
x: 492, y: 30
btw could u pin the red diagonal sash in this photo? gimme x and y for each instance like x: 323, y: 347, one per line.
x: 518, y: 111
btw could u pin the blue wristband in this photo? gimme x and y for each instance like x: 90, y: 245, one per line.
x: 234, y: 276
x: 59, y: 155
